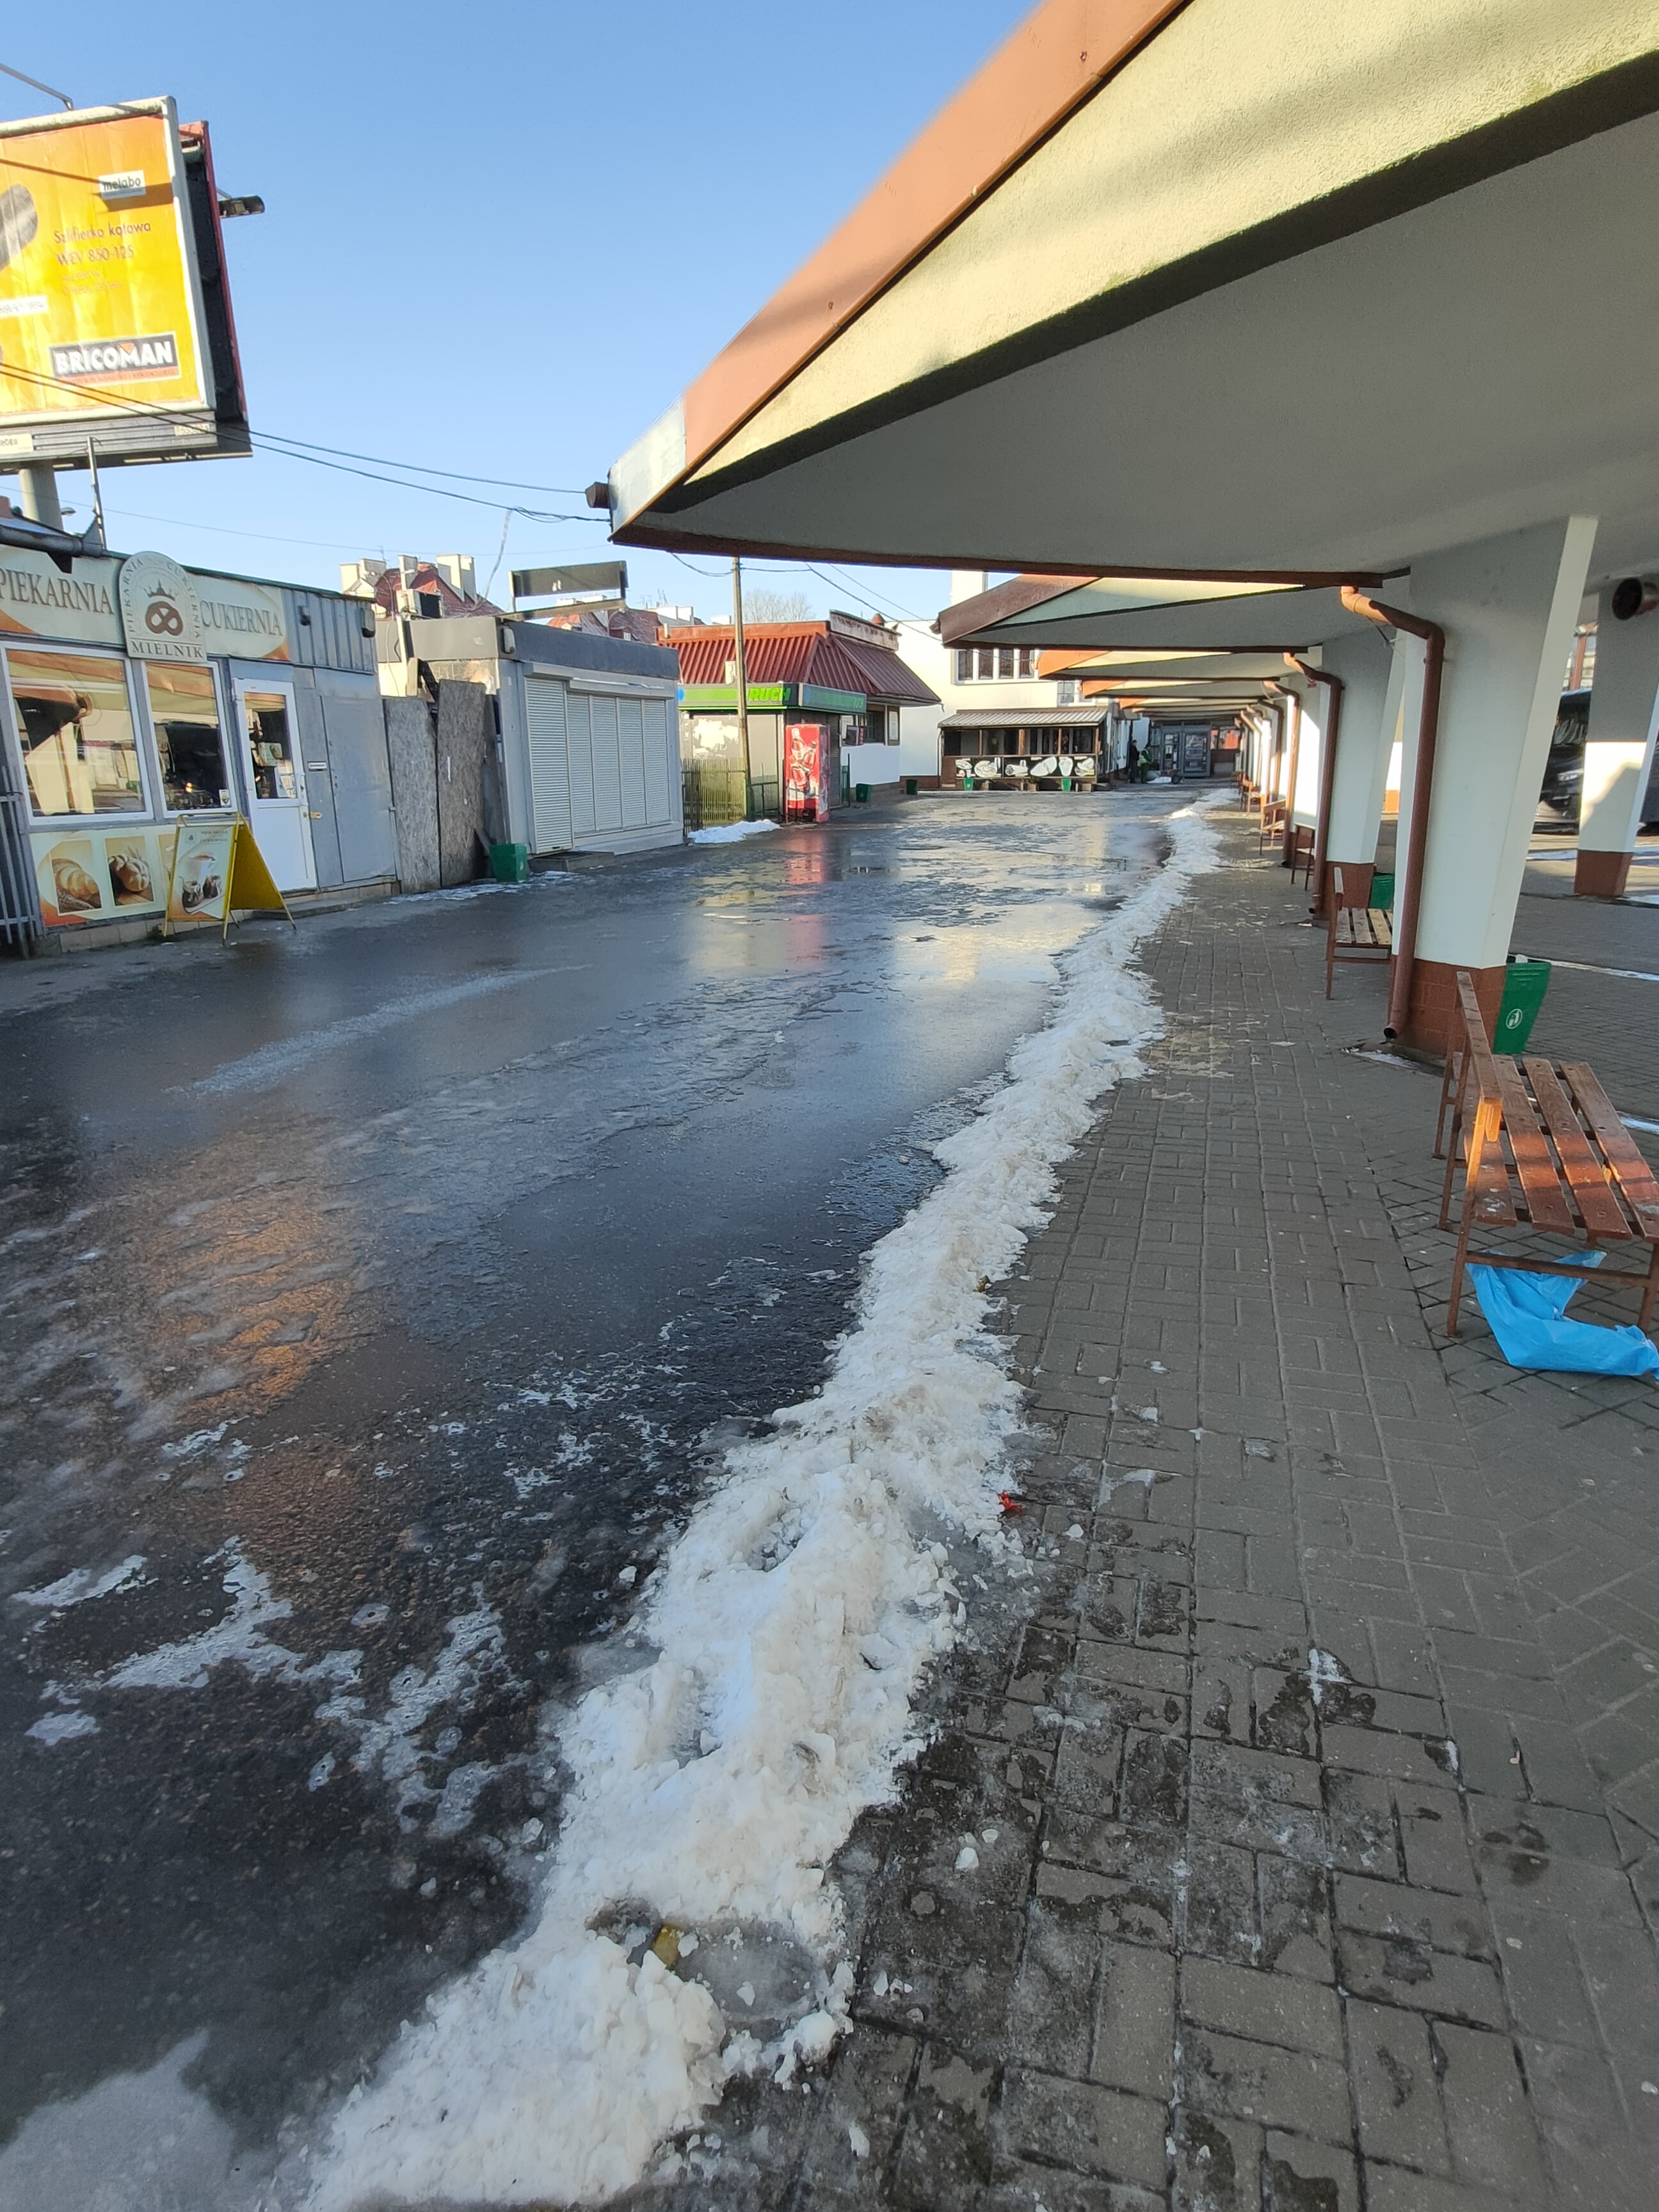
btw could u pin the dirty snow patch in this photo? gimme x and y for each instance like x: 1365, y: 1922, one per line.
x: 82, y: 1585
x: 793, y: 1621
x: 729, y: 833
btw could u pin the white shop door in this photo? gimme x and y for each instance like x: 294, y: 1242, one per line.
x: 275, y: 777
x: 546, y: 719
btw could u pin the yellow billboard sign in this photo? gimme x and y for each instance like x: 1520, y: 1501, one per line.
x: 100, y: 312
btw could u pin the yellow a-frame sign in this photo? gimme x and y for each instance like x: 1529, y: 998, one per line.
x: 219, y: 870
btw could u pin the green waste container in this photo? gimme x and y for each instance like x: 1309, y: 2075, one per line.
x: 510, y: 863
x: 861, y: 793
x: 909, y: 786
x: 1382, y: 890
x: 1525, y: 982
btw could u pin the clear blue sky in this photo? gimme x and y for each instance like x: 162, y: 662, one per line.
x: 498, y: 241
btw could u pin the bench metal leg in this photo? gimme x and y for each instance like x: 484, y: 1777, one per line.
x: 1649, y: 1293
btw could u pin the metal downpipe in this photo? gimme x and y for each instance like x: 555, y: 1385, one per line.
x: 1428, y: 731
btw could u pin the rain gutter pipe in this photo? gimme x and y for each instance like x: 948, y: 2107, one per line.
x: 1327, y: 773
x: 1428, y: 730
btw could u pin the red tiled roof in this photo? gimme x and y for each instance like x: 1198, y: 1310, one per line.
x: 801, y: 652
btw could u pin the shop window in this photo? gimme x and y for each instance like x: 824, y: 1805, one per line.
x: 271, y: 741
x: 996, y: 664
x: 184, y: 708
x: 74, y: 724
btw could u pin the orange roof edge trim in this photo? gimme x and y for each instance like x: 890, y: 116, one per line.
x: 1062, y: 53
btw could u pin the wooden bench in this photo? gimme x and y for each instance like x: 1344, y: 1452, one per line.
x: 1542, y: 1150
x: 1270, y: 821
x: 1302, y: 855
x: 1355, y: 932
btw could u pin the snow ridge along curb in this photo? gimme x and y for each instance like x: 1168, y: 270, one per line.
x: 794, y: 1618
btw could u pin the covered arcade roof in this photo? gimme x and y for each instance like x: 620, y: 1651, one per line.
x: 1267, y: 288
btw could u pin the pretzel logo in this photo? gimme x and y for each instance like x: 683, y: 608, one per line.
x: 162, y: 617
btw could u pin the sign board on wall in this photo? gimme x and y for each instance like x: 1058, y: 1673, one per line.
x: 98, y: 874
x: 238, y: 619
x: 101, y: 299
x: 38, y: 600
x: 160, y: 613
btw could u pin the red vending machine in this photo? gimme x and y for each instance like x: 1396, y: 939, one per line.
x: 805, y: 772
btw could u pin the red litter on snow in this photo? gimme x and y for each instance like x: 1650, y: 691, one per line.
x: 1011, y: 1501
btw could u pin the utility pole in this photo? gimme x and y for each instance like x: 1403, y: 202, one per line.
x: 741, y: 672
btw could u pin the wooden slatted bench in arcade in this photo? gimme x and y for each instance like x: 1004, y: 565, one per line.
x: 1542, y: 1150
x: 1356, y: 932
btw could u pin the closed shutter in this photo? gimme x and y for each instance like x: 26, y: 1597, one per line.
x: 607, y: 766
x: 581, y: 764
x: 550, y: 762
x: 630, y: 762
x: 661, y: 732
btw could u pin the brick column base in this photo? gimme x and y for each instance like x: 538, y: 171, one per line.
x: 1434, y: 1003
x: 1600, y: 875
x: 1356, y: 883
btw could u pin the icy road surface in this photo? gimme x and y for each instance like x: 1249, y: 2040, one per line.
x: 376, y: 1300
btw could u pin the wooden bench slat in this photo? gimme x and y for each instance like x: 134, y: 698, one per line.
x: 1635, y: 1178
x: 1491, y: 1196
x: 1540, y: 1183
x: 1586, y: 1173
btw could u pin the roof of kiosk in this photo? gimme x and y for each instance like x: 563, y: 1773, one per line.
x: 1271, y: 288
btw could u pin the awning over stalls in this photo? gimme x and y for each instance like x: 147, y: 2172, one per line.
x: 1028, y: 718
x: 1263, y: 287
x: 1206, y: 618
x: 1117, y: 669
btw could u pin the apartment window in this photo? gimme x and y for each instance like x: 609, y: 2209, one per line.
x: 74, y: 724
x: 184, y: 709
x: 995, y: 664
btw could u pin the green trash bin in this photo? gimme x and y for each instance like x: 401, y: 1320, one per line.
x: 909, y: 786
x: 1525, y: 982
x: 510, y: 863
x: 861, y: 793
x: 1382, y: 890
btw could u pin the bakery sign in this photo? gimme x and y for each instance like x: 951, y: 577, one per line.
x: 161, y: 612
x: 170, y: 613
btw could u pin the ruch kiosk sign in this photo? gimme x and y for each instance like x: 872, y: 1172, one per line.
x: 161, y: 612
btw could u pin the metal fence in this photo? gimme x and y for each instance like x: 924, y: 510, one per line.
x: 20, y: 915
x: 716, y: 796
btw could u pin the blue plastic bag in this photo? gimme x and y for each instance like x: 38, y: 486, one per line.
x: 1528, y: 1315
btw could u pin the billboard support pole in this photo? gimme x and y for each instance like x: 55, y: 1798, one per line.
x: 41, y: 502
x: 97, y: 529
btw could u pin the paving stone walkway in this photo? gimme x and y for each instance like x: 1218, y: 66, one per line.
x: 1296, y: 1851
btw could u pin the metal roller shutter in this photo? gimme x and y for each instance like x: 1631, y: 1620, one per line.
x: 545, y: 721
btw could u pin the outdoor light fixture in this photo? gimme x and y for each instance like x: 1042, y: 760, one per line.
x: 598, y: 495
x: 251, y: 204
x: 1634, y: 596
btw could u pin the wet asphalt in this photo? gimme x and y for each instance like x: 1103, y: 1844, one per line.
x: 374, y: 1300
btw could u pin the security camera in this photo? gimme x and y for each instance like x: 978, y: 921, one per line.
x: 1634, y: 596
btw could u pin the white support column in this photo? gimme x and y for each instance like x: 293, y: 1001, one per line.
x: 1508, y: 606
x: 1624, y: 717
x: 1373, y: 678
x: 1313, y: 706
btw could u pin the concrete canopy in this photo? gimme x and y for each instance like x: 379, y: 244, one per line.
x: 1206, y: 618
x: 1268, y: 288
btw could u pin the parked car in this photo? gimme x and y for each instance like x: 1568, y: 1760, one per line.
x: 1563, y: 771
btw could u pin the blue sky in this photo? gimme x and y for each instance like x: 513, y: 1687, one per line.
x: 498, y: 241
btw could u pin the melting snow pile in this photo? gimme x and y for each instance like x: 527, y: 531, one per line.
x: 729, y: 833
x: 794, y: 1619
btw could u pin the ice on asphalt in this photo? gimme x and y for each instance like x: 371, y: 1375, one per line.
x: 716, y: 1785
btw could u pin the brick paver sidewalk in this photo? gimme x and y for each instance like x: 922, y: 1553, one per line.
x: 1297, y: 1853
